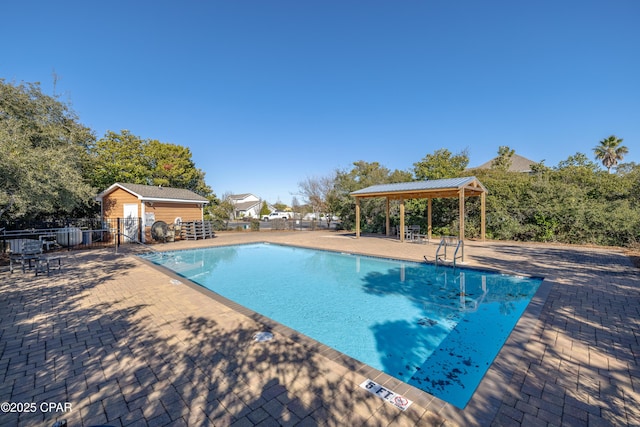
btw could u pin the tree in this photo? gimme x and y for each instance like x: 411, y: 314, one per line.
x: 364, y: 174
x: 264, y: 209
x: 625, y: 168
x: 279, y: 206
x: 610, y: 151
x: 311, y: 190
x: 319, y: 193
x: 441, y: 164
x: 125, y: 157
x: 43, y: 155
x: 120, y: 158
x: 171, y: 165
x: 578, y: 160
x: 296, y: 208
x: 577, y: 170
x: 220, y: 210
x: 503, y: 161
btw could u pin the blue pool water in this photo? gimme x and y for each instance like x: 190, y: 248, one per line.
x: 435, y: 328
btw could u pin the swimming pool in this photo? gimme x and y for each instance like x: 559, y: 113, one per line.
x: 436, y: 328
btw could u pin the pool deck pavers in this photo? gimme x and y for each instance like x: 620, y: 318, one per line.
x: 113, y: 340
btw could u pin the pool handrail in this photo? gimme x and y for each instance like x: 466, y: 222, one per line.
x: 448, y: 241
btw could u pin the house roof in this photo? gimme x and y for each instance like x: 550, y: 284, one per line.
x: 244, y: 206
x: 518, y: 164
x: 448, y: 187
x: 156, y: 193
x: 240, y: 196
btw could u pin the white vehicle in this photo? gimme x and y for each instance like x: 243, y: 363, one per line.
x: 276, y: 215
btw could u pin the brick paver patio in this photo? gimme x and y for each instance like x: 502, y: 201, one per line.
x: 112, y: 340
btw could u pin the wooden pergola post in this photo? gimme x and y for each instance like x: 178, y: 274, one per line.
x: 429, y: 218
x: 401, y: 231
x: 387, y: 225
x: 483, y: 222
x: 461, y: 207
x: 357, y: 217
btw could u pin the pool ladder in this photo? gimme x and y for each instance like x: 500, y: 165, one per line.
x: 447, y: 242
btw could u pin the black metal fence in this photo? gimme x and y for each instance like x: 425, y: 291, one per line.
x: 84, y: 233
x: 71, y: 234
x: 283, y: 224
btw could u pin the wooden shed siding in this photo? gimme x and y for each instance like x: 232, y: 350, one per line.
x: 113, y: 203
x: 168, y: 212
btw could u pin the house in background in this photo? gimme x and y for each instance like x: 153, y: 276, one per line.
x: 150, y: 203
x: 518, y: 164
x: 246, y: 206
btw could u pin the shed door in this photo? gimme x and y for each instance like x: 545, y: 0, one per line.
x: 130, y: 222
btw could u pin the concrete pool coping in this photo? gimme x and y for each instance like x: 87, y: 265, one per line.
x: 548, y: 372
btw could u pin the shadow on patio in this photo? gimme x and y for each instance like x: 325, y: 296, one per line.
x: 580, y: 365
x: 102, y: 336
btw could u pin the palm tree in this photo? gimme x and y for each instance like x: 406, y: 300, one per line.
x: 610, y: 151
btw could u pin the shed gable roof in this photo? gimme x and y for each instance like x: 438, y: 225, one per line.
x: 158, y: 193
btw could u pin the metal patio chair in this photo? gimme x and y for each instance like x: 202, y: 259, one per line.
x: 29, y: 251
x: 30, y: 255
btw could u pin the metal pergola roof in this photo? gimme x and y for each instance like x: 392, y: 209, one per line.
x: 431, y: 189
x: 436, y: 188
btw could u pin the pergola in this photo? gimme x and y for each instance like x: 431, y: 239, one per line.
x: 431, y: 189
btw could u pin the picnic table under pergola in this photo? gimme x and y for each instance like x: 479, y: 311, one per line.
x: 430, y: 189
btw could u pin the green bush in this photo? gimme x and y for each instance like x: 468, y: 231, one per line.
x: 575, y: 202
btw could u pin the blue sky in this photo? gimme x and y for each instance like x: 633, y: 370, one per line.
x: 266, y: 93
